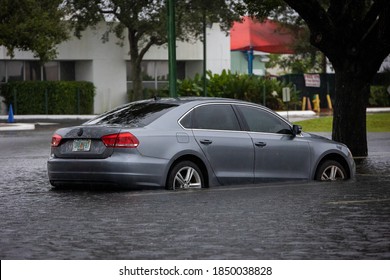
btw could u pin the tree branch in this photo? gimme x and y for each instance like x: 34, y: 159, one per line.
x: 337, y: 9
x: 317, y: 19
x: 379, y: 29
x: 152, y: 41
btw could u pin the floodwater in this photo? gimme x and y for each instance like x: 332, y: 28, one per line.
x: 307, y: 220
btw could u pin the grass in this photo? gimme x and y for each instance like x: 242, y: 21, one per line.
x: 379, y: 122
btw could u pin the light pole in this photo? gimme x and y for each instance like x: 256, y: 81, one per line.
x: 204, y: 53
x: 172, y: 48
x: 250, y: 61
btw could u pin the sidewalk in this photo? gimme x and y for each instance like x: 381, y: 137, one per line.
x: 28, y: 122
x: 294, y: 116
x: 16, y: 126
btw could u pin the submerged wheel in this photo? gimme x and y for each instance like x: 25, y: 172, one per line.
x: 185, y: 175
x: 331, y: 170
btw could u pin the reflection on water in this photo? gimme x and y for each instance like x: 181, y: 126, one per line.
x: 377, y: 164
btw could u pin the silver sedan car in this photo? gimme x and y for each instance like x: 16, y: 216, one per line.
x: 181, y: 143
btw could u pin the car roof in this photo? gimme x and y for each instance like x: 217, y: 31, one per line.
x: 186, y: 99
x: 195, y: 100
x: 199, y: 100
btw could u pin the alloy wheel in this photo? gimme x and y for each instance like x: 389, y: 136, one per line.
x: 332, y: 173
x: 187, y: 177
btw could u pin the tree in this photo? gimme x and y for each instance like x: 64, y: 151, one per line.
x: 145, y: 23
x: 355, y: 37
x: 306, y: 57
x: 298, y: 63
x: 34, y: 25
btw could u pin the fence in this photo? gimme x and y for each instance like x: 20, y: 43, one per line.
x: 49, y: 97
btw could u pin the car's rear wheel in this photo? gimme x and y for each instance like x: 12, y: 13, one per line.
x: 185, y: 175
x: 331, y: 170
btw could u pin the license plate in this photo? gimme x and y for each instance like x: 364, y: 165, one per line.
x: 81, y: 145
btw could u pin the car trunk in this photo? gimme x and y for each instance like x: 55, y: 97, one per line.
x: 84, y: 142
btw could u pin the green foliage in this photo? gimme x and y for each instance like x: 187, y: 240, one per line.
x: 228, y: 85
x: 190, y: 87
x: 49, y: 97
x: 379, y: 97
x: 34, y: 25
x: 300, y: 63
x: 249, y: 88
x: 378, y: 122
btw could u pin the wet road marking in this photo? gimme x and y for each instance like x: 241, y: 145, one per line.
x: 218, y: 189
x: 372, y: 175
x: 345, y: 202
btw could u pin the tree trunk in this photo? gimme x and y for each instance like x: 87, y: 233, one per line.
x: 135, y: 60
x: 137, y: 80
x: 349, y: 115
x: 136, y: 56
x: 354, y: 35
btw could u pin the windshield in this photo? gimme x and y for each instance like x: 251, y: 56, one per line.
x: 133, y: 114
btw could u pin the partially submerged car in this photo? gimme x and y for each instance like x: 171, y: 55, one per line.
x: 181, y: 143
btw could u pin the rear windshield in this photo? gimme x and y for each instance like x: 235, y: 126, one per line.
x: 133, y: 114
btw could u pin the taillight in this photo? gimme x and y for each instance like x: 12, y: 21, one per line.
x: 121, y: 140
x: 55, y: 140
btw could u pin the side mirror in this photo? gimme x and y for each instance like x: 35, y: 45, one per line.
x: 296, y: 129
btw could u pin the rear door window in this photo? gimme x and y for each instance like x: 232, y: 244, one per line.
x: 215, y: 117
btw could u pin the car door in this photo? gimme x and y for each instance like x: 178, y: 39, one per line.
x: 278, y: 153
x: 229, y: 150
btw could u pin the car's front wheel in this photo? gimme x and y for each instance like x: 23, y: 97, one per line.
x: 331, y: 170
x: 185, y: 175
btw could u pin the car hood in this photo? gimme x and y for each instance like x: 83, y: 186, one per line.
x: 321, y: 139
x: 316, y: 137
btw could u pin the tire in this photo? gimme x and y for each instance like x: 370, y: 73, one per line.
x: 331, y: 170
x: 185, y: 175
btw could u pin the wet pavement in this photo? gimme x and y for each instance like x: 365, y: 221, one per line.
x: 305, y: 220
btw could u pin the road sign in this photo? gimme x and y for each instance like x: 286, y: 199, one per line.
x: 286, y: 94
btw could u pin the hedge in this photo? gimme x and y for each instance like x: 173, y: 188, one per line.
x: 49, y: 97
x: 230, y: 85
x: 379, y: 97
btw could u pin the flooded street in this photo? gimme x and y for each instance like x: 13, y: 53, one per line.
x: 308, y: 220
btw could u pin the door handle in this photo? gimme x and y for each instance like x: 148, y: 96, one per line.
x: 261, y: 144
x: 206, y: 142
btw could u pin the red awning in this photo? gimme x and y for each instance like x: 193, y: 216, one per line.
x: 267, y: 36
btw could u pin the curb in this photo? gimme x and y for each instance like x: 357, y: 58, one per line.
x: 16, y: 126
x: 49, y: 117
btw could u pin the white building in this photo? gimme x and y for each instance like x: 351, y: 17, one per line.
x: 107, y: 64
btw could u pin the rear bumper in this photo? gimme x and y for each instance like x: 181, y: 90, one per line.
x: 121, y: 170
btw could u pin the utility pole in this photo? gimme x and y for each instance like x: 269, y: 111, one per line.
x: 204, y: 53
x: 172, y: 48
x: 250, y: 61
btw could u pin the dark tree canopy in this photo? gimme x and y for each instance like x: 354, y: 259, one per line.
x: 144, y: 22
x: 34, y: 25
x: 352, y: 29
x: 355, y: 37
